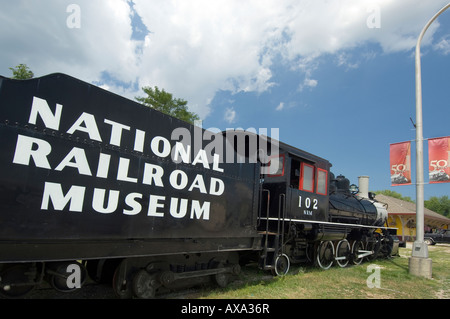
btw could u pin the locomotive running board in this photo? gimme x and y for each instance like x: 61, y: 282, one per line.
x: 323, y: 223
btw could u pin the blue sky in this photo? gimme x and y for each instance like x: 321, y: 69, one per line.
x: 335, y: 77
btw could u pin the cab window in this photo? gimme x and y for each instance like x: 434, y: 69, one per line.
x: 279, y: 162
x: 322, y: 176
x: 307, y: 178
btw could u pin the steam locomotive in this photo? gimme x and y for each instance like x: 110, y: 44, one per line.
x: 93, y: 184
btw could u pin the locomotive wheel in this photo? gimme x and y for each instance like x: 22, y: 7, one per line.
x: 143, y: 285
x: 281, y: 265
x: 374, y: 244
x: 342, y: 253
x: 325, y: 254
x: 15, y: 283
x: 122, y: 281
x: 357, y: 246
x: 387, y: 246
x: 221, y: 279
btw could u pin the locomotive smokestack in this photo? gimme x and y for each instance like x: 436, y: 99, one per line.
x: 363, y: 182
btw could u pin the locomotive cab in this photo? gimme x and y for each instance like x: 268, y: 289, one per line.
x: 294, y: 197
x: 299, y: 188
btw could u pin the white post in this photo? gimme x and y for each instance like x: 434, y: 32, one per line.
x: 420, y: 264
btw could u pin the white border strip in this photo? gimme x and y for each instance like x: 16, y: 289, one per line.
x: 326, y: 223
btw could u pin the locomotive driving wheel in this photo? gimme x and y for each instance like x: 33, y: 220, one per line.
x: 325, y: 254
x: 357, y: 247
x: 374, y: 245
x: 342, y: 253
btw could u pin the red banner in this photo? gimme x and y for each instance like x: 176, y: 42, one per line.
x: 400, y: 158
x: 439, y: 159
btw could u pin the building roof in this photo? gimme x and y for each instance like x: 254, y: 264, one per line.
x: 400, y: 207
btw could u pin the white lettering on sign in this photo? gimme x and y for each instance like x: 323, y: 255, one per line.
x: 51, y: 120
x: 87, y: 123
x: 53, y: 193
x: 32, y: 148
x: 107, y: 202
x: 42, y: 154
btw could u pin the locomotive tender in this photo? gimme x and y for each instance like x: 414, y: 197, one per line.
x: 128, y: 194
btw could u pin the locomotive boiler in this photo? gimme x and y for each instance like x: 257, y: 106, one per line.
x: 95, y: 182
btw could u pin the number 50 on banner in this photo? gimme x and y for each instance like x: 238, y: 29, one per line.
x: 439, y: 159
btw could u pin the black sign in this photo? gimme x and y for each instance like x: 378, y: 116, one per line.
x: 79, y: 162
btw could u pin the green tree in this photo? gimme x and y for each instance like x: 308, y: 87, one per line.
x: 439, y: 205
x: 22, y: 72
x: 165, y: 102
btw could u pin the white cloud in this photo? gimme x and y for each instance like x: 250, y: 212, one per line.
x: 280, y: 106
x: 230, y: 115
x: 345, y: 60
x: 36, y: 33
x: 443, y: 46
x: 308, y: 83
x: 196, y: 48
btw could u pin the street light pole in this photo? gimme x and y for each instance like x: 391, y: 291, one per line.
x: 419, y: 263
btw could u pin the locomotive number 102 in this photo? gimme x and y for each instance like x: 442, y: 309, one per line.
x: 309, y: 204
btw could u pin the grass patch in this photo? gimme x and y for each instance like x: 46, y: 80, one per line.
x: 344, y: 283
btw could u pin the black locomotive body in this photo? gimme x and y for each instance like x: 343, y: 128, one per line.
x: 308, y: 215
x: 151, y: 202
x: 88, y: 175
